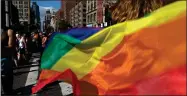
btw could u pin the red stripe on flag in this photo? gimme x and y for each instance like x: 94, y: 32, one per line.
x: 68, y: 74
x: 172, y: 82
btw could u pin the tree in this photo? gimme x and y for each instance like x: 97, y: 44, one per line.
x: 62, y: 25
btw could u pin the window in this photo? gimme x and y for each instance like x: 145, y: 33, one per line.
x: 88, y: 8
x: 94, y: 17
x: 25, y: 6
x: 91, y: 18
x: 91, y: 6
x: 20, y: 6
x: 25, y: 2
x: 26, y: 14
x: 21, y: 10
x: 88, y: 19
x: 19, y: 14
x: 94, y: 4
x: 84, y: 10
x: 25, y: 10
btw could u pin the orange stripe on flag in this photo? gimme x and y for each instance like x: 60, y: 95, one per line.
x: 145, y: 54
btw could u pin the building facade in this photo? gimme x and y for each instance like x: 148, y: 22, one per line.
x: 66, y: 6
x: 59, y: 14
x: 47, y: 21
x: 53, y: 23
x: 9, y: 14
x: 35, y: 9
x: 78, y: 14
x: 100, y: 13
x: 107, y: 6
x: 23, y: 7
x: 91, y: 13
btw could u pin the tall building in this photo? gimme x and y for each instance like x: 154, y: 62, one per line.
x: 9, y: 14
x: 47, y: 20
x: 78, y: 14
x: 66, y: 6
x: 100, y: 13
x: 35, y: 9
x: 97, y: 12
x: 91, y: 13
x: 23, y: 7
x: 59, y: 14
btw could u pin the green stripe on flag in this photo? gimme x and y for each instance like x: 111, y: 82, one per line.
x: 60, y: 45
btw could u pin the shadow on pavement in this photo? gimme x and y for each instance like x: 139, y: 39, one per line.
x: 21, y: 76
x: 20, y: 79
x: 19, y: 73
x: 26, y: 66
x: 26, y: 90
x: 52, y: 89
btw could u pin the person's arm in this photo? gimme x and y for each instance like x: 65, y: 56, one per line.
x: 24, y: 42
x: 44, y: 40
x: 11, y: 40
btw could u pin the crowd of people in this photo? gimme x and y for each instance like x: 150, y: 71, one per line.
x: 28, y: 44
x: 16, y: 48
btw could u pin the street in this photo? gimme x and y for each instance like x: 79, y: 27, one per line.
x: 25, y: 77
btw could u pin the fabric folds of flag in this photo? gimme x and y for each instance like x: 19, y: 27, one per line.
x: 78, y: 33
x: 139, y: 57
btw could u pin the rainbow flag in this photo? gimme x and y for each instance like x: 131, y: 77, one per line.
x: 78, y: 33
x: 146, y: 56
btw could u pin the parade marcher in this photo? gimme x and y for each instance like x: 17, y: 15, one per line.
x: 44, y: 40
x: 22, y: 49
x: 29, y: 44
x: 7, y: 51
x: 37, y: 42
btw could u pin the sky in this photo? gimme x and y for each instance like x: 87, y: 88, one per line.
x: 45, y: 5
x: 55, y: 3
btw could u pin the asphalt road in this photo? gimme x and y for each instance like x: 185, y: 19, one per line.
x: 25, y: 77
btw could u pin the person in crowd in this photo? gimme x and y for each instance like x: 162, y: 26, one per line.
x: 22, y: 49
x: 40, y: 34
x: 50, y: 34
x: 37, y: 41
x: 8, y: 39
x: 44, y: 41
x: 17, y: 49
x: 29, y: 44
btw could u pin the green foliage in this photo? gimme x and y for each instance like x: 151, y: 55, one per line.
x: 49, y: 29
x: 63, y: 25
